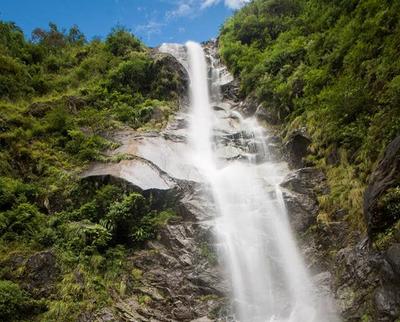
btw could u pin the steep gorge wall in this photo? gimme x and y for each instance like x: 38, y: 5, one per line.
x: 364, y: 278
x: 280, y: 52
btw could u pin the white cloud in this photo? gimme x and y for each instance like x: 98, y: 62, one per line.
x: 187, y: 8
x: 232, y: 4
x: 183, y: 8
x: 151, y: 28
x: 209, y: 3
x: 236, y: 4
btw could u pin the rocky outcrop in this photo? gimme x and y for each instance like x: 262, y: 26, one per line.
x: 230, y: 90
x: 302, y: 210
x: 387, y: 295
x: 248, y: 106
x: 385, y: 176
x: 139, y: 172
x: 178, y: 276
x: 177, y: 282
x: 367, y: 284
x: 175, y: 277
x: 166, y: 63
x: 393, y: 258
x: 307, y: 181
x: 37, y: 274
x: 300, y: 196
x: 268, y: 115
x: 40, y: 274
x: 296, y: 147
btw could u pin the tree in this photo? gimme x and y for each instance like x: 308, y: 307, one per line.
x: 120, y: 41
x: 53, y: 38
x: 75, y: 36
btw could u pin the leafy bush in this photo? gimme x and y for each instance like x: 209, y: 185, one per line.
x: 22, y: 221
x: 13, y: 301
x: 14, y: 78
x: 13, y: 190
x: 120, y: 42
x: 85, y: 236
x: 131, y: 76
x: 85, y: 147
x: 58, y: 120
x: 123, y: 217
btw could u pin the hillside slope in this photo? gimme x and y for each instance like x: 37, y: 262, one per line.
x: 327, y: 73
x: 64, y: 242
x: 330, y: 66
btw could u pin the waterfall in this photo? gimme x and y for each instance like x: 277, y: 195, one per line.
x: 254, y: 240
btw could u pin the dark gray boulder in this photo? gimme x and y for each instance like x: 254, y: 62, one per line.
x: 302, y: 210
x: 306, y: 181
x: 356, y: 280
x: 296, y: 147
x: 385, y: 176
x: 393, y: 257
x: 299, y: 194
x: 40, y: 274
x: 267, y: 114
x: 387, y: 301
x: 249, y: 106
x: 230, y: 90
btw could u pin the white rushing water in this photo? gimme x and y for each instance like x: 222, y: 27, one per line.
x: 256, y: 246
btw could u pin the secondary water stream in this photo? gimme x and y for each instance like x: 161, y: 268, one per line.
x: 256, y: 246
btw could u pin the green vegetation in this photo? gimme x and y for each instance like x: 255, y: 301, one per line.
x: 331, y: 66
x: 60, y: 95
x: 208, y: 253
x: 14, y: 303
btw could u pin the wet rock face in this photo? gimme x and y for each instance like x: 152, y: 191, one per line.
x: 268, y: 114
x: 180, y: 277
x: 175, y: 279
x: 307, y: 181
x: 296, y: 147
x: 40, y: 274
x: 387, y: 300
x: 393, y: 257
x: 302, y: 210
x: 151, y: 160
x: 385, y: 176
x: 387, y: 295
x: 299, y: 193
x: 249, y: 106
x: 357, y: 278
x: 230, y: 90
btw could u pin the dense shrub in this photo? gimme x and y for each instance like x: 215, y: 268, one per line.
x: 13, y: 301
x: 14, y: 78
x: 389, y: 204
x: 120, y: 42
x: 23, y: 221
x: 131, y: 76
x: 14, y: 190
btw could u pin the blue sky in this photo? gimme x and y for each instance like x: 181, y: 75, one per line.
x: 154, y: 21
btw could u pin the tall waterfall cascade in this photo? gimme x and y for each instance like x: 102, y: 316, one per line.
x: 256, y: 247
